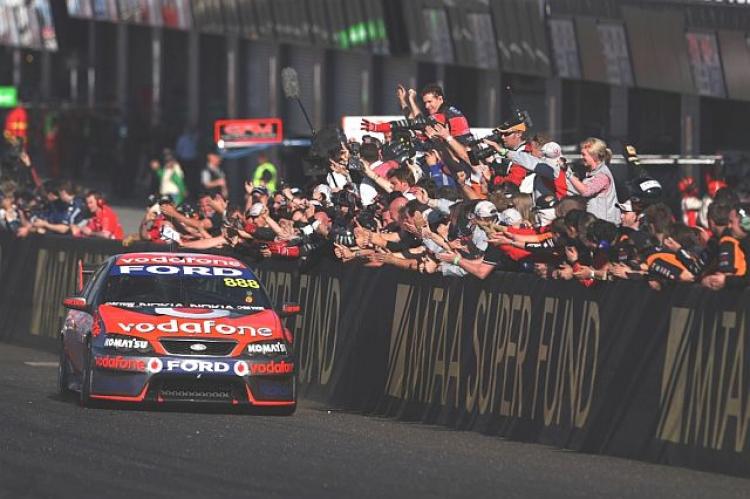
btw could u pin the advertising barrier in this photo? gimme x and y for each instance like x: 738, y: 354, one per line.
x: 616, y: 369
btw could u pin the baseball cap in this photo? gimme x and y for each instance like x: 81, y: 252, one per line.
x: 552, y: 150
x: 545, y: 202
x: 626, y: 206
x: 323, y: 189
x: 485, y: 209
x: 260, y: 190
x: 511, y: 216
x: 513, y: 125
x: 256, y: 209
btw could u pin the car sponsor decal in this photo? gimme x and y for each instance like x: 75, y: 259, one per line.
x: 120, y: 363
x: 276, y: 347
x: 157, y: 365
x: 212, y: 306
x: 204, y: 260
x: 191, y: 313
x: 193, y: 327
x: 179, y: 270
x: 265, y: 368
x: 197, y: 366
x: 241, y: 283
x: 130, y: 343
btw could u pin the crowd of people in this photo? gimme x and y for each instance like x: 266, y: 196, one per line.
x: 424, y: 194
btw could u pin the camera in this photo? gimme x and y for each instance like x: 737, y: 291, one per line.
x: 478, y: 155
x: 343, y: 235
x: 479, y: 151
x: 355, y: 160
x: 496, y: 136
x: 401, y: 146
x: 417, y: 124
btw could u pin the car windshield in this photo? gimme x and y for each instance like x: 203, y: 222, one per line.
x: 210, y: 290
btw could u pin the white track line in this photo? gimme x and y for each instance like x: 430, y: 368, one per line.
x: 41, y: 364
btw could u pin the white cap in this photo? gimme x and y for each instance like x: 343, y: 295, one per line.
x: 626, y: 206
x: 323, y: 189
x: 485, y: 209
x: 511, y: 216
x: 552, y: 150
x: 256, y: 209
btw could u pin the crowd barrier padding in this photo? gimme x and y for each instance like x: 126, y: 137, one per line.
x: 616, y: 369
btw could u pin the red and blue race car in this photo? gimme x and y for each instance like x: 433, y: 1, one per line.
x: 177, y: 327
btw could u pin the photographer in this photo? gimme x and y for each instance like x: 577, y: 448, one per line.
x: 513, y: 134
x: 550, y: 169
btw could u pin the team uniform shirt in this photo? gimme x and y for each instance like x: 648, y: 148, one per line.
x: 106, y: 219
x: 732, y: 256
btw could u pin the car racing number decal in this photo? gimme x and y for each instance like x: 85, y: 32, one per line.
x: 241, y: 283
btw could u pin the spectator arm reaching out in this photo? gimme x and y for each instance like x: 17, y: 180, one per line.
x: 477, y: 268
x: 380, y: 181
x: 211, y: 242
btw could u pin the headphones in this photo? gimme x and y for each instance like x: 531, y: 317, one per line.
x: 99, y: 198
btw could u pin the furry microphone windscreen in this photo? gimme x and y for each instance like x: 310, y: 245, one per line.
x: 290, y: 83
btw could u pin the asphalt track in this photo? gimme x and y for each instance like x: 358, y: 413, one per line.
x: 52, y: 448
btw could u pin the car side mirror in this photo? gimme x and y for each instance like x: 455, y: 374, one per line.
x: 290, y: 309
x: 76, y: 303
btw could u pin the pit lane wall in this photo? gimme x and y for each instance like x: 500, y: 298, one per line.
x: 615, y: 369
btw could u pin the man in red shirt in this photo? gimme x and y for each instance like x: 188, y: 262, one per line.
x: 103, y: 222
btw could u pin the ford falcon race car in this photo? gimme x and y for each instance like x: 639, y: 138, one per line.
x: 177, y: 327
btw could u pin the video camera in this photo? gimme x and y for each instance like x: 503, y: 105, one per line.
x: 401, y: 147
x: 415, y: 124
x: 479, y: 151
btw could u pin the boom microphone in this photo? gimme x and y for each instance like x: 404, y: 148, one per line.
x: 290, y: 84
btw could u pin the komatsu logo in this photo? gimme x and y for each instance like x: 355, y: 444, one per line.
x: 278, y: 347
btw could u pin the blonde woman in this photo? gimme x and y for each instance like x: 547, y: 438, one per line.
x: 598, y: 187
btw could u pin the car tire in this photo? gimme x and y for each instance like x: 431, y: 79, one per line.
x: 63, y: 373
x: 85, y: 399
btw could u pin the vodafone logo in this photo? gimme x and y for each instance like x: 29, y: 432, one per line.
x: 154, y: 366
x: 120, y: 363
x: 194, y: 327
x: 282, y: 367
x: 191, y: 313
x: 240, y: 368
x: 180, y: 260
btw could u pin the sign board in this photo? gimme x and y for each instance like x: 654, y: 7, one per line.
x: 8, y: 96
x: 230, y: 134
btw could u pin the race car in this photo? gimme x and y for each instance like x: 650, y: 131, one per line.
x: 177, y: 327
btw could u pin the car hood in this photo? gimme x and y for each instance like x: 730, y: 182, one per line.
x: 152, y: 321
